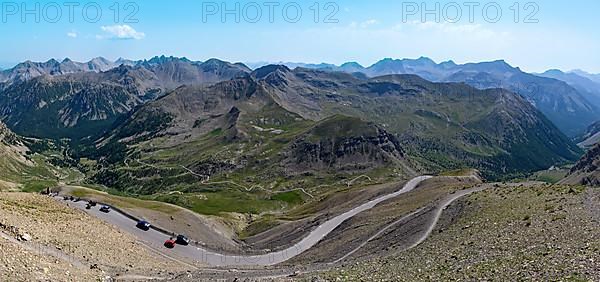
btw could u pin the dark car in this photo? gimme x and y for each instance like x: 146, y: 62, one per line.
x: 144, y: 225
x: 105, y: 209
x: 182, y: 240
x: 170, y: 244
x: 92, y: 203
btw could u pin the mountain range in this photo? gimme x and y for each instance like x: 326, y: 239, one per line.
x: 571, y: 101
x: 280, y: 125
x: 73, y: 100
x: 167, y: 122
x: 29, y: 70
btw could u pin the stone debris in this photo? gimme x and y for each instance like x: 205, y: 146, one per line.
x: 25, y: 237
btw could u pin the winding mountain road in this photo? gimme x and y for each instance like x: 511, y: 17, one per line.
x: 155, y: 239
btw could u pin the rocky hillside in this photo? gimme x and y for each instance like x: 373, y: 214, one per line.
x: 13, y: 158
x: 586, y: 171
x: 591, y: 136
x: 29, y: 164
x: 343, y: 144
x: 85, y: 104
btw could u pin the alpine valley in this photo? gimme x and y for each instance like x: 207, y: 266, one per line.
x: 328, y: 164
x: 169, y: 123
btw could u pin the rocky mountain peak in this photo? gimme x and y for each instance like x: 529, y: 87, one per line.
x: 271, y: 71
x: 352, y: 64
x: 52, y: 62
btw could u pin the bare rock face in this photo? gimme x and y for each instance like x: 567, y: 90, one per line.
x: 6, y: 136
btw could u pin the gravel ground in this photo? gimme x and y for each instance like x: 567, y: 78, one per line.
x: 527, y: 233
x: 19, y: 264
x: 93, y: 243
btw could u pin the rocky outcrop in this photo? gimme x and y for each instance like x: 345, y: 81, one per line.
x: 343, y: 143
x: 587, y: 170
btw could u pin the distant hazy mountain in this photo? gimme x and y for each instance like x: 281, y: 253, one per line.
x: 122, y: 61
x: 585, y: 85
x: 593, y: 77
x: 29, y: 70
x: 293, y: 65
x: 571, y: 110
x: 70, y: 100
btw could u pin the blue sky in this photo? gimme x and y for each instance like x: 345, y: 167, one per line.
x: 564, y: 37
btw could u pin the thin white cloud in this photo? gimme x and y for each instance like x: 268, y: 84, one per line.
x: 365, y: 24
x: 72, y: 34
x: 369, y: 23
x: 122, y: 32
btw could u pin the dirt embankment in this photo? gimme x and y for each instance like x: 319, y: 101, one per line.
x: 68, y: 244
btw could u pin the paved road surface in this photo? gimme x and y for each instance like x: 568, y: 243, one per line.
x: 156, y: 239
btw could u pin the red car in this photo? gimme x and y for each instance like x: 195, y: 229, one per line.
x: 170, y: 244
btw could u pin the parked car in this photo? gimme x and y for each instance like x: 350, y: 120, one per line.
x: 170, y: 244
x: 105, y: 209
x: 92, y: 203
x: 144, y: 225
x: 182, y: 240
